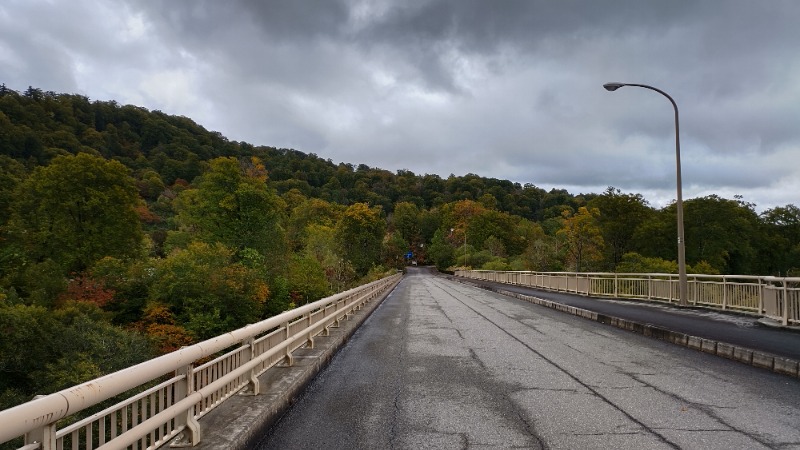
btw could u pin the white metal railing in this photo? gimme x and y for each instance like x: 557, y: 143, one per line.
x: 175, y: 392
x: 774, y: 297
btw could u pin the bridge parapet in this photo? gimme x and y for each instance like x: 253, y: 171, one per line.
x: 172, y: 391
x: 776, y: 298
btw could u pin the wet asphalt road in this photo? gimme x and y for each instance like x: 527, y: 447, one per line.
x: 444, y: 365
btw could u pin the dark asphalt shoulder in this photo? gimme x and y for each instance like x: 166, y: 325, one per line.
x: 737, y: 329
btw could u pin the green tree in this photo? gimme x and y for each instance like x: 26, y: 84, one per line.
x: 495, y: 247
x: 88, y: 346
x: 440, y: 251
x: 232, y: 205
x: 394, y: 250
x: 405, y: 221
x: 308, y: 212
x: 74, y: 344
x: 656, y: 237
x: 544, y: 254
x: 496, y: 264
x: 208, y: 291
x: 620, y: 216
x: 75, y: 211
x: 359, y: 235
x: 633, y: 262
x: 321, y: 244
x: 130, y: 281
x: 11, y: 256
x: 307, y: 282
x: 459, y: 230
x: 150, y: 185
x: 429, y: 223
x: 779, y: 246
x: 11, y: 175
x: 490, y: 223
x: 720, y: 231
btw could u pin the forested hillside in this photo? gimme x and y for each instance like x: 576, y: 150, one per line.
x: 125, y: 233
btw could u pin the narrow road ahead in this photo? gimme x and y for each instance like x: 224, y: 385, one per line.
x: 444, y: 365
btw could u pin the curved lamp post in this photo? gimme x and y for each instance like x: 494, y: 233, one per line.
x: 682, y: 284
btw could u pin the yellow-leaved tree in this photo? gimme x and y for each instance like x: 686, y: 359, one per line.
x: 582, y: 237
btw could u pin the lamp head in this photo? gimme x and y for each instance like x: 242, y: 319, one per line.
x: 613, y: 86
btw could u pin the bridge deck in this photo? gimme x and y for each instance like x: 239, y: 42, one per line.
x: 737, y: 329
x: 445, y: 365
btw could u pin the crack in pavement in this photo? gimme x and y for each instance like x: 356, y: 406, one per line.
x: 506, y: 396
x: 707, y: 409
x: 477, y: 359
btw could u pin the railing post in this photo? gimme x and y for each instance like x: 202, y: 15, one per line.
x: 288, y: 356
x: 325, y: 331
x: 760, y: 297
x: 616, y: 285
x: 45, y: 435
x: 785, y: 318
x: 348, y: 310
x: 724, y: 293
x: 310, y: 339
x: 335, y: 323
x: 253, y: 385
x: 190, y: 436
x: 589, y: 285
x: 669, y: 285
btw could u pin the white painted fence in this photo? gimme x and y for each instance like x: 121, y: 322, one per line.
x: 180, y: 389
x: 774, y: 297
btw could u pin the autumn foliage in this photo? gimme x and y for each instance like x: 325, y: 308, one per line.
x: 126, y: 233
x: 159, y: 324
x: 83, y: 288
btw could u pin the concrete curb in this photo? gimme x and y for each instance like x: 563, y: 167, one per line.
x: 777, y: 364
x: 241, y: 421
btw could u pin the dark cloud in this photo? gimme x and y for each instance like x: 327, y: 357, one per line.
x: 505, y: 89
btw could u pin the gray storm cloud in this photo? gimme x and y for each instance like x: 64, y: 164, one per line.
x: 505, y: 89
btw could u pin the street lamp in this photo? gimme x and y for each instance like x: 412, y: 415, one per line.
x: 682, y: 285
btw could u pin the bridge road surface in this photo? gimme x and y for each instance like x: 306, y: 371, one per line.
x: 444, y: 365
x: 740, y: 330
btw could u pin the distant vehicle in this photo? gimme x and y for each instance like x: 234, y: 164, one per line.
x: 414, y: 262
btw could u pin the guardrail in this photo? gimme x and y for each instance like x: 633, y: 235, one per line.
x: 777, y: 298
x: 178, y: 392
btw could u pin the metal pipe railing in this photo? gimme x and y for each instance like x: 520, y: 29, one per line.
x: 777, y: 298
x: 154, y: 416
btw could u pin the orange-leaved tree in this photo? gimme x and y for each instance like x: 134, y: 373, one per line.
x: 582, y: 236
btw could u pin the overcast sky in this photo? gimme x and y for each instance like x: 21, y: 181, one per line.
x: 504, y: 89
